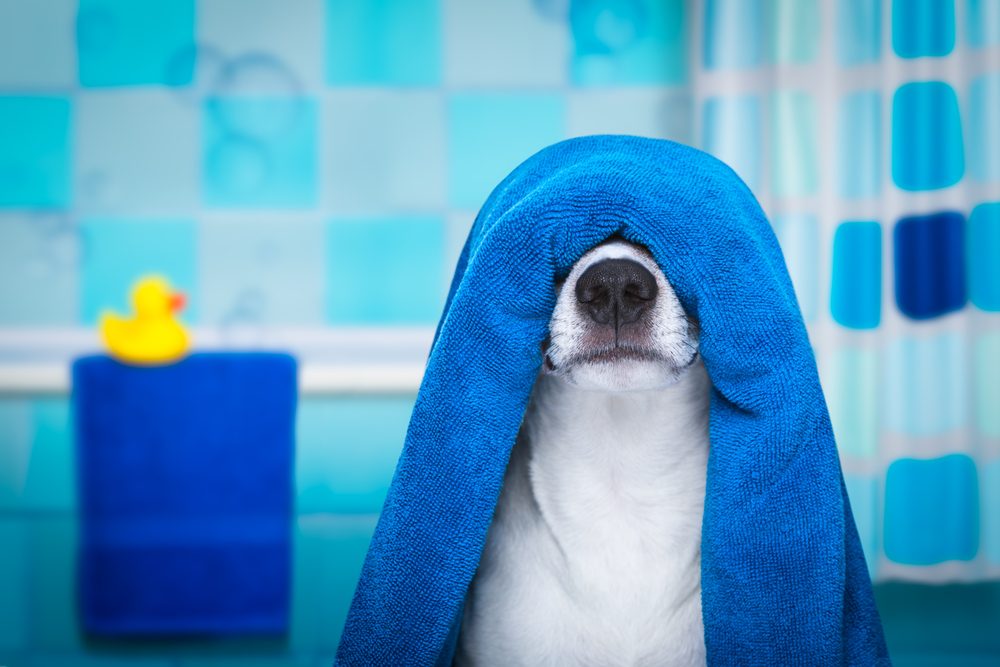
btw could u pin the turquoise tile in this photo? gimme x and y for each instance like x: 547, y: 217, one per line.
x: 927, y: 151
x: 983, y: 249
x: 249, y: 661
x: 983, y: 22
x: 15, y: 449
x: 925, y: 385
x: 346, y: 452
x: 731, y: 131
x: 984, y: 130
x: 127, y: 43
x: 261, y: 271
x: 931, y: 510
x: 794, y: 30
x: 39, y: 256
x: 798, y: 235
x: 986, y: 361
x: 116, y: 252
x: 991, y: 510
x: 859, y: 31
x: 36, y: 32
x: 923, y: 27
x: 860, y: 145
x: 329, y: 553
x: 628, y: 42
x: 733, y: 34
x: 856, y: 283
x: 491, y: 133
x: 36, y: 159
x: 862, y: 492
x: 50, y: 483
x: 52, y: 618
x: 260, y: 152
x: 371, y: 42
x: 384, y: 271
x: 852, y: 391
x: 13, y: 592
x: 794, y: 159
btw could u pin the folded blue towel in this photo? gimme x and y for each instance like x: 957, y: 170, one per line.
x: 185, y: 487
x: 784, y: 580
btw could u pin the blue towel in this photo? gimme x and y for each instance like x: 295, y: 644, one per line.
x: 185, y: 487
x: 784, y: 580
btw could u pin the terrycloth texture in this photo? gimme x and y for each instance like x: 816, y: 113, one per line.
x: 185, y: 485
x: 784, y: 580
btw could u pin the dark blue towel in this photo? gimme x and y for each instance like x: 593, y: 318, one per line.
x: 185, y: 485
x: 783, y: 576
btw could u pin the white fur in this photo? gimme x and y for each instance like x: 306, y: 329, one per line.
x: 593, y: 555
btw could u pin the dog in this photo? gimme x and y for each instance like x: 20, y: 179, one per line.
x: 593, y: 554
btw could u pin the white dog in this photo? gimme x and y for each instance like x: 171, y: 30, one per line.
x: 593, y: 555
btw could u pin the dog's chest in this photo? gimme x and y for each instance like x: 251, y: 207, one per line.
x: 594, y: 551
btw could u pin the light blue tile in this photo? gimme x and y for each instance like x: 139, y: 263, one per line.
x: 863, y: 494
x: 346, y: 452
x: 986, y: 361
x: 385, y: 150
x: 794, y: 30
x: 731, y: 131
x: 927, y: 151
x: 51, y: 618
x: 117, y: 252
x: 859, y: 31
x: 50, y: 484
x: 983, y: 249
x: 649, y: 111
x: 925, y: 385
x: 923, y: 27
x: 36, y: 157
x: 860, y: 145
x: 983, y: 21
x: 628, y: 42
x: 991, y: 510
x: 491, y: 133
x: 794, y: 153
x: 853, y: 394
x: 733, y: 36
x: 38, y: 281
x: 127, y: 43
x: 329, y: 553
x: 856, y: 283
x: 14, y: 600
x: 15, y: 449
x: 798, y: 235
x: 932, y: 510
x: 36, y: 32
x: 984, y: 130
x: 261, y: 271
x: 383, y: 42
x: 385, y: 271
x: 260, y: 152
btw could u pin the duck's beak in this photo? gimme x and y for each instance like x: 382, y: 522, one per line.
x: 177, y: 301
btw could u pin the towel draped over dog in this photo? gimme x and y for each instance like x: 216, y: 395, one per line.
x: 784, y: 580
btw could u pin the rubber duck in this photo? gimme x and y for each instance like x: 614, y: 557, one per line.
x: 153, y: 336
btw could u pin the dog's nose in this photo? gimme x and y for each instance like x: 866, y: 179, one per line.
x: 616, y: 291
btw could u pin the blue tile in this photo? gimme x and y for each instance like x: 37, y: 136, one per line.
x: 128, y: 43
x: 262, y: 271
x: 50, y: 483
x: 799, y: 238
x: 400, y: 263
x: 260, y: 152
x: 39, y: 256
x: 983, y: 249
x: 14, y: 565
x: 117, y: 252
x: 862, y: 493
x: 856, y: 283
x: 932, y: 510
x: 733, y: 36
x: 346, y: 452
x: 983, y: 21
x: 383, y: 42
x: 991, y: 510
x: 15, y: 449
x: 984, y: 130
x: 927, y: 151
x: 628, y: 42
x: 929, y: 260
x: 491, y: 133
x: 731, y: 131
x: 860, y: 145
x: 859, y: 31
x: 923, y: 27
x: 36, y: 156
x: 925, y: 385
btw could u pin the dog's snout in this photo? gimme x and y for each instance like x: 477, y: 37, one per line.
x: 616, y: 291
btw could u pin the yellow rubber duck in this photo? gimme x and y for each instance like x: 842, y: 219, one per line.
x: 153, y: 336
